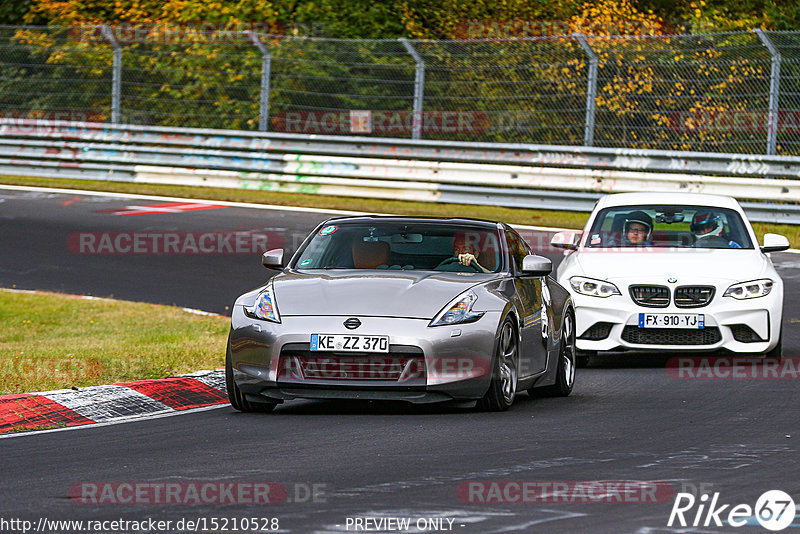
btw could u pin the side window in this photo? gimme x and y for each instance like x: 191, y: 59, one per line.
x: 525, y: 246
x: 516, y: 250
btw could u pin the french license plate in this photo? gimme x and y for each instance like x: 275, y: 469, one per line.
x: 345, y: 343
x: 672, y: 320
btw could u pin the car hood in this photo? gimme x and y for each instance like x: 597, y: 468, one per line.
x: 417, y: 294
x: 687, y: 266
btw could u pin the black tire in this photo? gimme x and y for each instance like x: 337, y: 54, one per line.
x: 235, y: 396
x: 583, y: 358
x: 565, y: 369
x: 503, y: 387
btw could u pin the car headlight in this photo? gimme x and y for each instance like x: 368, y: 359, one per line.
x: 458, y: 310
x: 750, y: 290
x: 265, y: 307
x: 593, y: 288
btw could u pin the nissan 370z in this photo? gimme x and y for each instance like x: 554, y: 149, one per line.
x: 412, y: 309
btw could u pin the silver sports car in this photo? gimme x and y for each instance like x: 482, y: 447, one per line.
x: 396, y: 308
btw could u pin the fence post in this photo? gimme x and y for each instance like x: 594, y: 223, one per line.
x: 419, y: 87
x: 266, y: 67
x: 774, y: 91
x: 591, y: 88
x: 116, y: 73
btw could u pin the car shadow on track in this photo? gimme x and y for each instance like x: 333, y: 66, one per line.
x: 366, y: 407
x: 645, y: 360
x: 650, y: 360
x: 399, y: 408
x: 638, y: 360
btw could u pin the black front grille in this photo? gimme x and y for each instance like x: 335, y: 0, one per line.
x: 671, y: 336
x: 597, y: 331
x: 744, y: 334
x: 391, y: 368
x: 693, y: 296
x: 650, y: 296
x: 402, y: 364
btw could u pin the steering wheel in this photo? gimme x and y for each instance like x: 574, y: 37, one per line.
x: 450, y: 261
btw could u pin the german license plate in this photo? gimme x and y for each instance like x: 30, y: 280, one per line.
x: 672, y: 320
x: 345, y: 343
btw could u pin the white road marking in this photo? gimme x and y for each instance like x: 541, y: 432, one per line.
x: 214, y: 379
x: 115, y: 422
x: 247, y: 205
x: 107, y: 403
x: 177, y: 199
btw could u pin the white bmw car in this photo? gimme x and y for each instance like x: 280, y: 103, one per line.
x: 672, y: 271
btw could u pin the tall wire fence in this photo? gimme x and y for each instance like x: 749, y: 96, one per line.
x: 727, y: 92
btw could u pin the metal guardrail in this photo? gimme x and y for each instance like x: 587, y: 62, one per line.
x: 516, y: 175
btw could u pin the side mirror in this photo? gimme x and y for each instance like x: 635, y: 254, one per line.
x: 568, y: 239
x: 533, y: 265
x: 775, y: 243
x: 273, y: 259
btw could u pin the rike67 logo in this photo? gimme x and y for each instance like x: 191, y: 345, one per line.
x: 774, y: 510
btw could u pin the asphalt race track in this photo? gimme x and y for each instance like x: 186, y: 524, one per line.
x: 330, y: 465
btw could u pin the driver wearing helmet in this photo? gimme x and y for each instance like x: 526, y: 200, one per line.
x: 707, y: 228
x: 638, y: 230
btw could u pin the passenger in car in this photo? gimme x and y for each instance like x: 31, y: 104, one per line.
x: 638, y: 229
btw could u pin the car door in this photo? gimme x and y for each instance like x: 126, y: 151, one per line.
x: 528, y: 289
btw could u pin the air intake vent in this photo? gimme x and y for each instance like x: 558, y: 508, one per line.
x: 671, y: 336
x: 650, y: 296
x: 597, y: 331
x: 693, y: 296
x: 744, y: 334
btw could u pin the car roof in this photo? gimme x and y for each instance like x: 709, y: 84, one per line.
x: 493, y: 225
x: 690, y: 199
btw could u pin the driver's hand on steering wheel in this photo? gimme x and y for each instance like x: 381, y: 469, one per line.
x: 466, y: 258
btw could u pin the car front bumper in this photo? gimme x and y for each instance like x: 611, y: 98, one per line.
x: 723, y: 317
x: 273, y: 361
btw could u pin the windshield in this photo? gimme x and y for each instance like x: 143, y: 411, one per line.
x: 668, y: 226
x: 391, y: 245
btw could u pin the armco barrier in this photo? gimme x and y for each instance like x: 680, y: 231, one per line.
x: 517, y: 175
